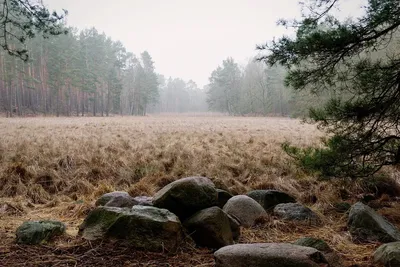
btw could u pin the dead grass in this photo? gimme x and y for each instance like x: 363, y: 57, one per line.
x: 56, y: 168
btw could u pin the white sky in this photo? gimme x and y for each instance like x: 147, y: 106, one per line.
x: 186, y: 38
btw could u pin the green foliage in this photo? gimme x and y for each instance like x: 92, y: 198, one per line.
x: 358, y: 62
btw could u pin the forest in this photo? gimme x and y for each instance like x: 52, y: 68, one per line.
x: 86, y: 73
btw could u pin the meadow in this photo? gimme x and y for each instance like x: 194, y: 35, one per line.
x: 56, y: 168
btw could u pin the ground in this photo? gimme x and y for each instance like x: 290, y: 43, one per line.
x: 56, y: 168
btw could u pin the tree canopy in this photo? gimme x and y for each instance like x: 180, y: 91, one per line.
x: 358, y: 62
x: 21, y: 20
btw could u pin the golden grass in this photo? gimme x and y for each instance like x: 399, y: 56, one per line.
x: 56, y: 167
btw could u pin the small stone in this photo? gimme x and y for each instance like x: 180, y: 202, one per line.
x: 121, y: 202
x: 245, y: 209
x: 38, y: 232
x: 270, y: 198
x: 366, y: 225
x: 144, y: 200
x: 210, y: 228
x: 388, y: 254
x: 108, y: 196
x: 311, y: 242
x: 296, y: 212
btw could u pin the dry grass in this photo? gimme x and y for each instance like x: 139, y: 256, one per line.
x: 56, y: 167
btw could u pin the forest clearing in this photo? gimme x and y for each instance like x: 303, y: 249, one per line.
x: 55, y: 168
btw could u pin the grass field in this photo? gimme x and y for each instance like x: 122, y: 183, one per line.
x: 56, y: 168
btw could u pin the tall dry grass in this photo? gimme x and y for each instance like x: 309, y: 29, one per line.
x: 50, y: 165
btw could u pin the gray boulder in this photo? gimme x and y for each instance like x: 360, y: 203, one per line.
x: 388, y: 254
x: 296, y: 212
x: 109, y: 196
x: 366, y: 225
x: 38, y: 232
x: 143, y: 227
x: 270, y: 198
x: 210, y: 228
x: 121, y: 202
x: 245, y: 209
x: 269, y: 255
x: 187, y: 196
x: 144, y: 200
x: 223, y: 197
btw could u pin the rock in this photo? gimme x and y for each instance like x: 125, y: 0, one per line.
x: 311, y: 242
x: 296, y: 212
x: 269, y: 254
x: 235, y: 227
x: 121, y: 202
x: 388, y: 254
x: 270, y: 198
x: 245, y: 209
x: 341, y: 207
x: 108, y: 196
x: 144, y: 200
x: 187, y: 196
x: 223, y: 197
x: 210, y: 228
x: 330, y: 255
x: 143, y: 227
x: 366, y: 225
x: 38, y: 232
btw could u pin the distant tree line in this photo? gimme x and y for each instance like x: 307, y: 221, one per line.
x: 255, y: 90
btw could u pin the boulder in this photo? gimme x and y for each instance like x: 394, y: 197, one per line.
x: 235, y: 227
x: 210, y: 228
x: 388, y: 254
x: 311, y: 242
x: 330, y: 255
x: 223, y: 197
x: 269, y: 254
x: 38, y: 232
x: 121, y: 202
x: 143, y: 227
x: 144, y: 200
x: 366, y: 225
x: 187, y: 196
x: 245, y: 209
x: 296, y: 212
x: 270, y: 198
x: 108, y: 196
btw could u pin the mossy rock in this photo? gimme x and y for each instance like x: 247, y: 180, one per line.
x: 39, y: 232
x: 143, y: 227
x: 311, y: 242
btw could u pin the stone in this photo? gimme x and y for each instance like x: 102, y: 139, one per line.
x: 143, y: 227
x: 38, y: 232
x: 269, y: 255
x: 121, y: 202
x: 342, y: 207
x: 245, y: 209
x: 187, y: 196
x: 210, y: 228
x: 270, y: 198
x: 388, y: 254
x: 366, y: 225
x: 235, y: 227
x: 223, y: 197
x: 144, y: 200
x: 296, y: 212
x: 311, y: 242
x: 108, y: 196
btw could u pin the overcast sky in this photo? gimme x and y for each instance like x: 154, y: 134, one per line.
x: 186, y: 38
